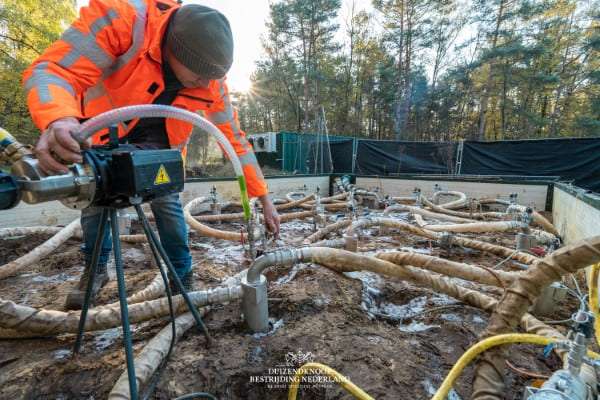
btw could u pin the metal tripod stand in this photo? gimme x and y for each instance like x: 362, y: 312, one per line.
x: 159, y: 254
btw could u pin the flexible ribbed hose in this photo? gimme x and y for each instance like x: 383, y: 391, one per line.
x: 392, y: 223
x: 424, y: 213
x: 593, y: 298
x: 152, y: 355
x: 31, y: 320
x: 458, y: 203
x: 463, y: 214
x: 344, y: 382
x: 476, y: 227
x: 205, y: 230
x: 484, y: 345
x: 488, y: 382
x: 113, y: 117
x: 28, y: 230
x: 39, y: 252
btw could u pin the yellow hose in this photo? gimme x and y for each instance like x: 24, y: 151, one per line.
x: 593, y: 298
x: 324, y: 369
x: 485, y: 345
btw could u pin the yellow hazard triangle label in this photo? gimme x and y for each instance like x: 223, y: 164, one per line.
x: 162, y: 177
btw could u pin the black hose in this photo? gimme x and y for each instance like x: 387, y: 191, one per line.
x: 197, y: 395
x: 155, y: 252
x: 156, y: 376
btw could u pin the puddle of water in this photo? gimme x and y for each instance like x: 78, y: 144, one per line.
x: 375, y: 339
x: 321, y: 301
x: 415, y: 327
x: 234, y: 280
x: 415, y: 250
x: 431, y: 390
x: 225, y: 255
x: 256, y: 355
x: 59, y: 278
x: 105, y: 339
x: 374, y: 307
x: 61, y: 354
x: 276, y: 325
x: 291, y: 275
x: 451, y: 317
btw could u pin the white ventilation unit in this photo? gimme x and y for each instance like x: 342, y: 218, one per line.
x: 264, y: 142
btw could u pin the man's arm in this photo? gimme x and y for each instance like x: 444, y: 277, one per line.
x: 224, y: 116
x: 56, y: 81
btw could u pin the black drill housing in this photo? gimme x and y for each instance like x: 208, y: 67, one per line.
x: 125, y: 172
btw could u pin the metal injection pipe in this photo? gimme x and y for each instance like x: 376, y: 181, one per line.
x: 255, y: 306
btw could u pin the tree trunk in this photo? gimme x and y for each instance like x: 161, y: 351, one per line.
x: 485, y: 96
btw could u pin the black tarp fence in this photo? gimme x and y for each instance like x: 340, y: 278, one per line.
x: 573, y: 159
x: 382, y: 157
x: 342, y: 152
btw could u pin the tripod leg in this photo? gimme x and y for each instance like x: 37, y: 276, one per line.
x: 90, y: 282
x: 153, y: 240
x: 123, y: 302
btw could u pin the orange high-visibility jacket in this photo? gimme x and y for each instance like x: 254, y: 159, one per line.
x: 111, y: 57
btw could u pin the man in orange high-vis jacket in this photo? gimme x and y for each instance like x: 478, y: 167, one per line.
x: 126, y: 52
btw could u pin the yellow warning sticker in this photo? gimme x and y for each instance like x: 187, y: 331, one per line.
x: 162, y: 177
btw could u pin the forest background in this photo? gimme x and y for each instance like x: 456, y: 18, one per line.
x: 423, y: 70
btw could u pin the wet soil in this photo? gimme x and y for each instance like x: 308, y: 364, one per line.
x: 391, y: 338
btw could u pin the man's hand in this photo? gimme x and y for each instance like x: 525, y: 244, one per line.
x: 56, y: 148
x: 271, y: 215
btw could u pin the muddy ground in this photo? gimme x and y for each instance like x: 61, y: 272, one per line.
x: 392, y: 339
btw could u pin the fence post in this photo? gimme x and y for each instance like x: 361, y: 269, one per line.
x: 459, y: 156
x: 354, y: 154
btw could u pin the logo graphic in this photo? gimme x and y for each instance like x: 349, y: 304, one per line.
x: 281, y: 376
x: 299, y: 358
x: 162, y: 177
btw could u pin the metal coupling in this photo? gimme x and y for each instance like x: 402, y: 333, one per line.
x: 255, y: 305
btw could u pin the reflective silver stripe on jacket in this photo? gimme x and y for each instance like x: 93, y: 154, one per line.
x: 41, y: 78
x: 250, y: 159
x: 227, y: 116
x: 139, y: 29
x: 86, y: 45
x: 137, y: 42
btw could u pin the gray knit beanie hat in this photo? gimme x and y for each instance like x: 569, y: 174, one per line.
x: 200, y: 38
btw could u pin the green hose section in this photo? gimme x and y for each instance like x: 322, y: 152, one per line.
x: 244, y: 196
